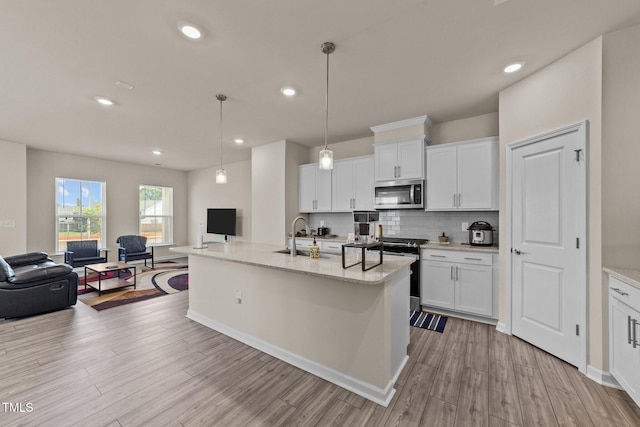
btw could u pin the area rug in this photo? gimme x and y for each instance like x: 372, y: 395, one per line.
x: 163, y: 280
x: 424, y: 320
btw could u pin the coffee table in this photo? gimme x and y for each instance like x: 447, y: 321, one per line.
x: 110, y: 283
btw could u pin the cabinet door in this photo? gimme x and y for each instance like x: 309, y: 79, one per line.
x: 476, y: 183
x: 474, y: 289
x: 307, y: 188
x: 323, y: 189
x: 343, y: 185
x: 436, y: 284
x: 363, y: 193
x: 441, y: 178
x: 625, y: 360
x: 386, y: 160
x: 411, y: 159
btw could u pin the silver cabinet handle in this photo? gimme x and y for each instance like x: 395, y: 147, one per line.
x: 438, y: 256
x: 634, y: 323
x: 399, y: 172
x: 454, y: 200
x: 619, y: 291
x: 628, y: 329
x: 456, y: 272
x: 473, y: 259
x: 452, y: 272
x: 459, y: 200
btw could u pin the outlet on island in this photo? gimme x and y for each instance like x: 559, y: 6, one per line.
x: 238, y: 297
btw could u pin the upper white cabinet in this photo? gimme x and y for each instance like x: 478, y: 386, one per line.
x: 463, y: 175
x: 352, y: 184
x: 402, y: 159
x: 314, y: 189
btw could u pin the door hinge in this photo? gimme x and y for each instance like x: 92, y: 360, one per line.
x: 577, y: 243
x: 578, y: 154
x: 578, y: 330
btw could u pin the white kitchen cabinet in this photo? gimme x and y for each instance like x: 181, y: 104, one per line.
x: 403, y: 159
x: 458, y: 281
x: 463, y: 175
x: 314, y: 189
x: 352, y: 184
x: 624, y: 336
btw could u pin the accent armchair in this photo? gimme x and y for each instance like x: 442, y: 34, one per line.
x: 32, y: 284
x: 83, y: 252
x: 133, y: 248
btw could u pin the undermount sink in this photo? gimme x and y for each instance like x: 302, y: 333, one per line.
x: 303, y: 252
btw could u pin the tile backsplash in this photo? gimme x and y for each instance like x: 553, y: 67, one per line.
x: 412, y: 223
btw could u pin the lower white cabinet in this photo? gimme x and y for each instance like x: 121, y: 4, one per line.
x: 305, y: 242
x: 624, y: 336
x: 458, y: 281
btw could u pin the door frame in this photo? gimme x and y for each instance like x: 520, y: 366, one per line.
x: 582, y: 298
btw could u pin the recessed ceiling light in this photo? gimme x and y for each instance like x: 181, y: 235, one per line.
x: 104, y: 101
x: 512, y: 68
x: 190, y: 30
x: 238, y: 140
x: 288, y: 91
x: 157, y: 152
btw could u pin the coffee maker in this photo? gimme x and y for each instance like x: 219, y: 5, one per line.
x: 364, y: 224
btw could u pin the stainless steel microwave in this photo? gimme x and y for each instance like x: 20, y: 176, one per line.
x: 403, y: 194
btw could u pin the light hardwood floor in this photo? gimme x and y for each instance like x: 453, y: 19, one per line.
x: 146, y: 364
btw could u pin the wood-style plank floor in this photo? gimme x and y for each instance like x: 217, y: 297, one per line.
x: 147, y: 364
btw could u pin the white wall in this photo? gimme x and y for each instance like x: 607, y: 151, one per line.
x: 13, y: 175
x: 563, y: 93
x: 268, y: 197
x: 621, y: 105
x: 203, y: 193
x: 122, y: 182
x: 465, y: 129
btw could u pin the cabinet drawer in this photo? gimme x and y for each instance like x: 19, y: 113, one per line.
x: 302, y: 242
x: 457, y: 256
x: 332, y: 246
x: 624, y: 292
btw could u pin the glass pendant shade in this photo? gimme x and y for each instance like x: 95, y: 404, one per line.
x: 326, y: 159
x: 221, y: 176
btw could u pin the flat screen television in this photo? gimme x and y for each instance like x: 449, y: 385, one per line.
x: 221, y: 221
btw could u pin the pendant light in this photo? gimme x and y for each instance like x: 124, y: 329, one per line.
x: 221, y: 174
x: 326, y: 155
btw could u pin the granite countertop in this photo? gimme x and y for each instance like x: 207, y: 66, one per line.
x: 262, y: 255
x: 627, y: 275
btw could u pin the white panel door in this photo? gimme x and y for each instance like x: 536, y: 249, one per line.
x: 364, y: 184
x: 306, y: 188
x: 323, y: 189
x: 411, y: 159
x: 437, y: 284
x: 441, y: 178
x: 546, y: 277
x: 343, y: 185
x: 474, y: 289
x: 475, y: 175
x: 386, y: 160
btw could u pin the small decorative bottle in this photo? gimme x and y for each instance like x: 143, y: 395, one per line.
x: 315, y: 250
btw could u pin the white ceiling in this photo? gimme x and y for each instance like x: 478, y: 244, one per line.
x: 394, y: 60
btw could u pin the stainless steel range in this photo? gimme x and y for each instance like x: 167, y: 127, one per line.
x: 409, y: 248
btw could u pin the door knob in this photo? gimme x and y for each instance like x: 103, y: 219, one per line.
x: 518, y: 252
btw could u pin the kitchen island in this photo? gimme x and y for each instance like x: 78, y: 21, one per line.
x: 350, y: 327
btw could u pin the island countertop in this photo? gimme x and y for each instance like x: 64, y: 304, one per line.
x: 263, y: 255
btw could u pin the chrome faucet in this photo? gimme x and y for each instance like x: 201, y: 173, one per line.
x: 293, y: 233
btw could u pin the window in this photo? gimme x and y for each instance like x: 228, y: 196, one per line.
x: 156, y: 213
x: 80, y: 211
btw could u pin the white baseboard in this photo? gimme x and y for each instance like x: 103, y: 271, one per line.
x: 602, y: 377
x: 359, y: 387
x: 502, y: 327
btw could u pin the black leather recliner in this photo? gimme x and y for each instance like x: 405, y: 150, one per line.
x: 32, y: 284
